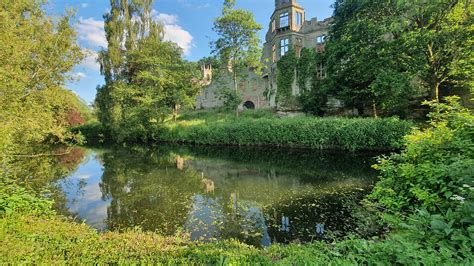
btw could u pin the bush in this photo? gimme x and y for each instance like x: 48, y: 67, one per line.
x: 94, y: 132
x: 431, y: 181
x: 320, y: 133
x: 15, y: 199
x: 436, y: 168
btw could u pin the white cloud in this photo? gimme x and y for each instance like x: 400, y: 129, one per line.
x: 174, y: 32
x: 92, y: 31
x: 166, y: 19
x: 90, y: 60
x: 84, y: 5
x: 79, y: 75
x: 184, y: 39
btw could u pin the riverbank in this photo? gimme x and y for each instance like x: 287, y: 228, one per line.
x: 263, y: 128
x: 33, y: 239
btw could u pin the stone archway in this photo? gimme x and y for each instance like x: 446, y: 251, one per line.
x: 249, y: 105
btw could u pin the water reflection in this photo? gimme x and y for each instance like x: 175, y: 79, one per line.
x: 259, y: 196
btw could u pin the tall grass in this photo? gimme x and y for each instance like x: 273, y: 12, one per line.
x: 320, y: 133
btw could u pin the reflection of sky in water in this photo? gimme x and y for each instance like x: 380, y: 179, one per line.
x: 204, y: 219
x: 83, y: 193
x: 245, y: 200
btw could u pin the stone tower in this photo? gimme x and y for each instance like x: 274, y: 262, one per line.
x: 284, y: 32
x: 206, y: 70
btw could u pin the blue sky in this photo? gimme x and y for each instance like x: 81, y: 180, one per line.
x: 187, y: 22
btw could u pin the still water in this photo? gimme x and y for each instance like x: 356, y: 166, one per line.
x: 257, y: 195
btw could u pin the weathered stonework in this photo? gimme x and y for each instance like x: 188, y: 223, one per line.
x: 288, y: 27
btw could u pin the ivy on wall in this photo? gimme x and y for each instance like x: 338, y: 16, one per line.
x: 285, y: 77
x: 305, y: 70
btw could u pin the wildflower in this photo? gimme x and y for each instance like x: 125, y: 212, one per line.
x: 458, y: 198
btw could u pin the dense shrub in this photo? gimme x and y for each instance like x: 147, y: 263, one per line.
x: 15, y: 199
x: 436, y: 168
x: 94, y: 132
x: 432, y: 182
x: 321, y: 133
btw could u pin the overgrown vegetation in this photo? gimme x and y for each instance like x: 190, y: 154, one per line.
x: 382, y: 54
x: 320, y: 133
x: 34, y: 106
x: 307, y: 71
x: 146, y: 78
x: 425, y: 192
x: 432, y: 181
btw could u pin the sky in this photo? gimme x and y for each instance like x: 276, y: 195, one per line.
x: 187, y: 22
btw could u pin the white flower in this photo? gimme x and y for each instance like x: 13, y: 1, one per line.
x: 458, y: 198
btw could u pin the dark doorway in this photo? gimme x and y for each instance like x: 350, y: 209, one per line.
x: 249, y: 105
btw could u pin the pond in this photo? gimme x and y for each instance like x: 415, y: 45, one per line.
x: 257, y: 195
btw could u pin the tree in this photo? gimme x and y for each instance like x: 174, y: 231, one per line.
x: 37, y: 54
x: 146, y: 78
x: 238, y: 42
x: 437, y: 39
x: 380, y: 52
x: 311, y: 81
x: 362, y: 52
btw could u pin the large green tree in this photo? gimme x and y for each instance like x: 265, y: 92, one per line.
x: 37, y: 54
x: 238, y: 42
x: 380, y: 51
x: 146, y: 78
x: 437, y: 37
x: 363, y: 56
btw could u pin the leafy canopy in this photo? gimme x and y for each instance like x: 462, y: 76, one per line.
x: 238, y: 42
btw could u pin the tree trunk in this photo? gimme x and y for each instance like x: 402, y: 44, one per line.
x: 374, y: 109
x: 435, y: 91
x: 175, y: 112
x: 234, y: 77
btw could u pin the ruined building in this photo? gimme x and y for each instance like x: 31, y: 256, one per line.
x: 288, y: 27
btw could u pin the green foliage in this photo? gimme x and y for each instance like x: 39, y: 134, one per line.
x: 365, y: 68
x: 230, y: 97
x: 93, y: 132
x: 147, y: 81
x: 285, y: 78
x: 223, y: 113
x: 313, y: 95
x: 36, y: 54
x: 321, y: 133
x: 437, y: 38
x: 15, y: 200
x: 57, y: 241
x: 435, y: 166
x: 431, y: 181
x: 238, y: 42
x: 304, y: 71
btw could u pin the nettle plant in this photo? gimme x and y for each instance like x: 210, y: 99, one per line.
x: 435, y: 169
x: 431, y: 181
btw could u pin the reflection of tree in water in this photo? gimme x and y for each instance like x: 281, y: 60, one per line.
x: 147, y: 190
x: 309, y: 166
x: 41, y: 173
x: 300, y: 217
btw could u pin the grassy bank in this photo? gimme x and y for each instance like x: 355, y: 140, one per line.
x: 320, y: 133
x: 32, y: 239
